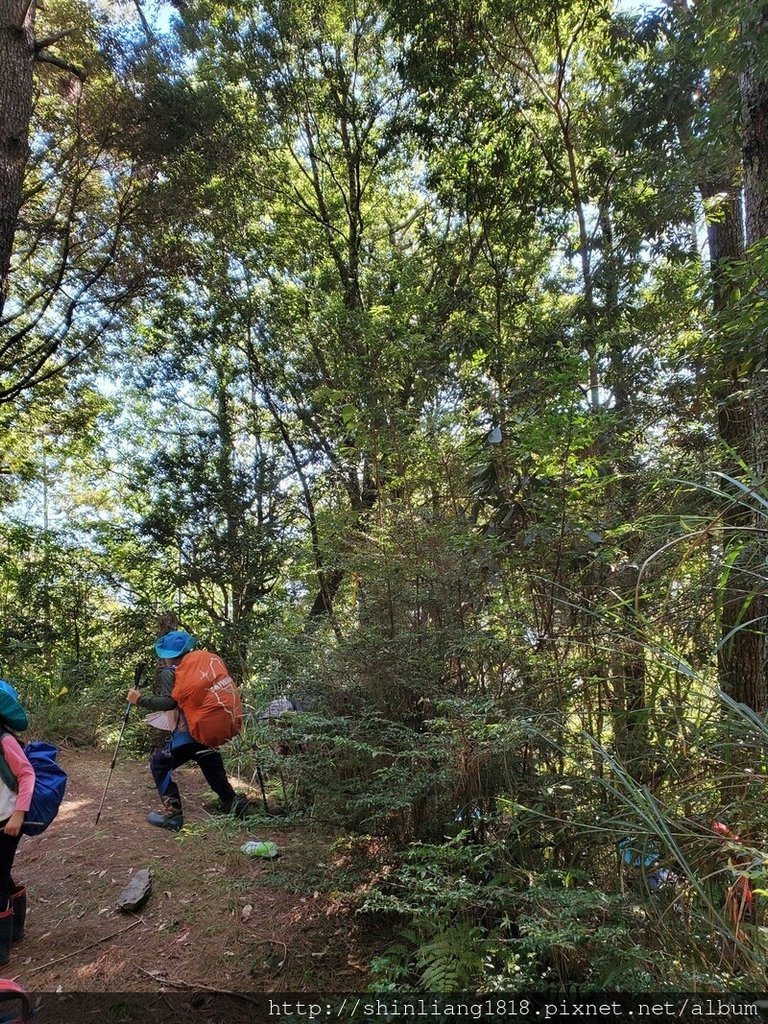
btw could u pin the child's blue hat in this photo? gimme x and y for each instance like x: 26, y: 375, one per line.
x: 174, y: 644
x: 12, y: 713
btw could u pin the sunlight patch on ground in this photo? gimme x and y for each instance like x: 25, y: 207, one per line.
x: 104, y: 966
x: 70, y: 807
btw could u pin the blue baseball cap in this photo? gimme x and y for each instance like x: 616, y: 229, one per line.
x: 12, y: 713
x: 174, y: 644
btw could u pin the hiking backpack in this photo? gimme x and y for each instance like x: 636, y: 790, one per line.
x: 208, y: 698
x: 50, y: 784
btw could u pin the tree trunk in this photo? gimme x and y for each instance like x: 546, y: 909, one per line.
x: 746, y: 422
x: 17, y: 59
x: 753, y: 85
x: 740, y: 422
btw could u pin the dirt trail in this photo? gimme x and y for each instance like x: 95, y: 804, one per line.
x: 215, y: 918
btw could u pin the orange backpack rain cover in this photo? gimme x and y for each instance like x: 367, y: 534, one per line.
x: 206, y: 693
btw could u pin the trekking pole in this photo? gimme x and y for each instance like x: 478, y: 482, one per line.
x: 260, y: 777
x: 138, y: 673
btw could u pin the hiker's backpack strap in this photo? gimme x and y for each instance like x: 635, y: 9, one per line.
x: 10, y: 990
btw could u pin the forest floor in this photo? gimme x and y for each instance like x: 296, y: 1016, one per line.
x: 215, y: 919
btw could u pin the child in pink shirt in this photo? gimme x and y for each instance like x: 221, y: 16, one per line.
x: 25, y: 776
x: 14, y: 803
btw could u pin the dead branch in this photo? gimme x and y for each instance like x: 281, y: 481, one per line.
x: 198, y: 986
x: 76, y: 952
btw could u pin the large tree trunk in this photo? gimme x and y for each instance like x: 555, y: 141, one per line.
x: 742, y: 659
x: 17, y: 59
x: 753, y: 84
x: 741, y: 419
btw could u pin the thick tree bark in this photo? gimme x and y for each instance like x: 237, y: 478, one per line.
x: 742, y: 419
x: 17, y: 59
x: 742, y: 660
x: 753, y: 84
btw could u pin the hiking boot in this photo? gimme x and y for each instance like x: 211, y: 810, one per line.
x: 240, y: 806
x: 170, y: 817
x: 19, y: 908
x: 237, y: 807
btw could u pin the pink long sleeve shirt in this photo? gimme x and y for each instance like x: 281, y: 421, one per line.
x: 21, y: 768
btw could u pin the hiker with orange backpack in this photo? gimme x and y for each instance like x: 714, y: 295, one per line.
x: 203, y: 707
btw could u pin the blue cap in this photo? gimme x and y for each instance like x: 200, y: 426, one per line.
x: 12, y: 713
x: 9, y: 689
x: 174, y: 644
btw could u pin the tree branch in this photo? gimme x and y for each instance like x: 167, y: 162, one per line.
x: 144, y: 23
x: 46, y: 41
x: 48, y: 58
x: 24, y: 13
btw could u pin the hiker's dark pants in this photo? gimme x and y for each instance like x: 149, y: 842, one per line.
x: 8, y: 846
x: 164, y: 761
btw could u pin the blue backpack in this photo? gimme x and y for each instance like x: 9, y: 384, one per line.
x: 50, y: 784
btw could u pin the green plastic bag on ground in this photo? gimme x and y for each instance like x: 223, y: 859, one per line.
x: 260, y: 848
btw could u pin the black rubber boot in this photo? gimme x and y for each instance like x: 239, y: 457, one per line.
x: 19, y: 908
x: 6, y: 934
